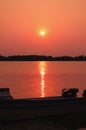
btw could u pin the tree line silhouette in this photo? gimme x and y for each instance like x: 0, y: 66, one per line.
x: 41, y: 58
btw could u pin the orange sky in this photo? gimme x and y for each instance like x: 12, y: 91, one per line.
x: 63, y: 20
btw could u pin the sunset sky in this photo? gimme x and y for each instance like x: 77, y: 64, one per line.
x: 43, y: 27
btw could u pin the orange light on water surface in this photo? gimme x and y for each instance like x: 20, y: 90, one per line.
x: 42, y: 73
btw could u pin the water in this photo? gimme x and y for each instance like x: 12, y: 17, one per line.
x: 42, y: 79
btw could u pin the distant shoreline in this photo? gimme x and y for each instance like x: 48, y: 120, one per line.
x: 41, y: 58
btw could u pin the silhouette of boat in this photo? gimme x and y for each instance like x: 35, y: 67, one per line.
x: 18, y: 109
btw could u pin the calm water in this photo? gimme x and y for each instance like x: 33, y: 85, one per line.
x: 41, y: 79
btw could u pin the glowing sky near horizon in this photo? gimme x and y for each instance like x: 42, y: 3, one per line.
x: 64, y: 22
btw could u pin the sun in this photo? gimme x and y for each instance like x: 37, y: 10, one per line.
x: 42, y: 33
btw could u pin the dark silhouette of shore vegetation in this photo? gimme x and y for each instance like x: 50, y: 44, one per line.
x: 41, y: 58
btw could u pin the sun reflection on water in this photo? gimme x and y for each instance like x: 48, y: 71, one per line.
x: 42, y: 67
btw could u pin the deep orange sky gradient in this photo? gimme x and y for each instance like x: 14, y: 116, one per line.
x: 63, y: 20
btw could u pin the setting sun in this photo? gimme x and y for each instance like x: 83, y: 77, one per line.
x: 42, y: 33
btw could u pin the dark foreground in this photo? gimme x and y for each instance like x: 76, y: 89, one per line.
x: 73, y: 121
x: 50, y: 113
